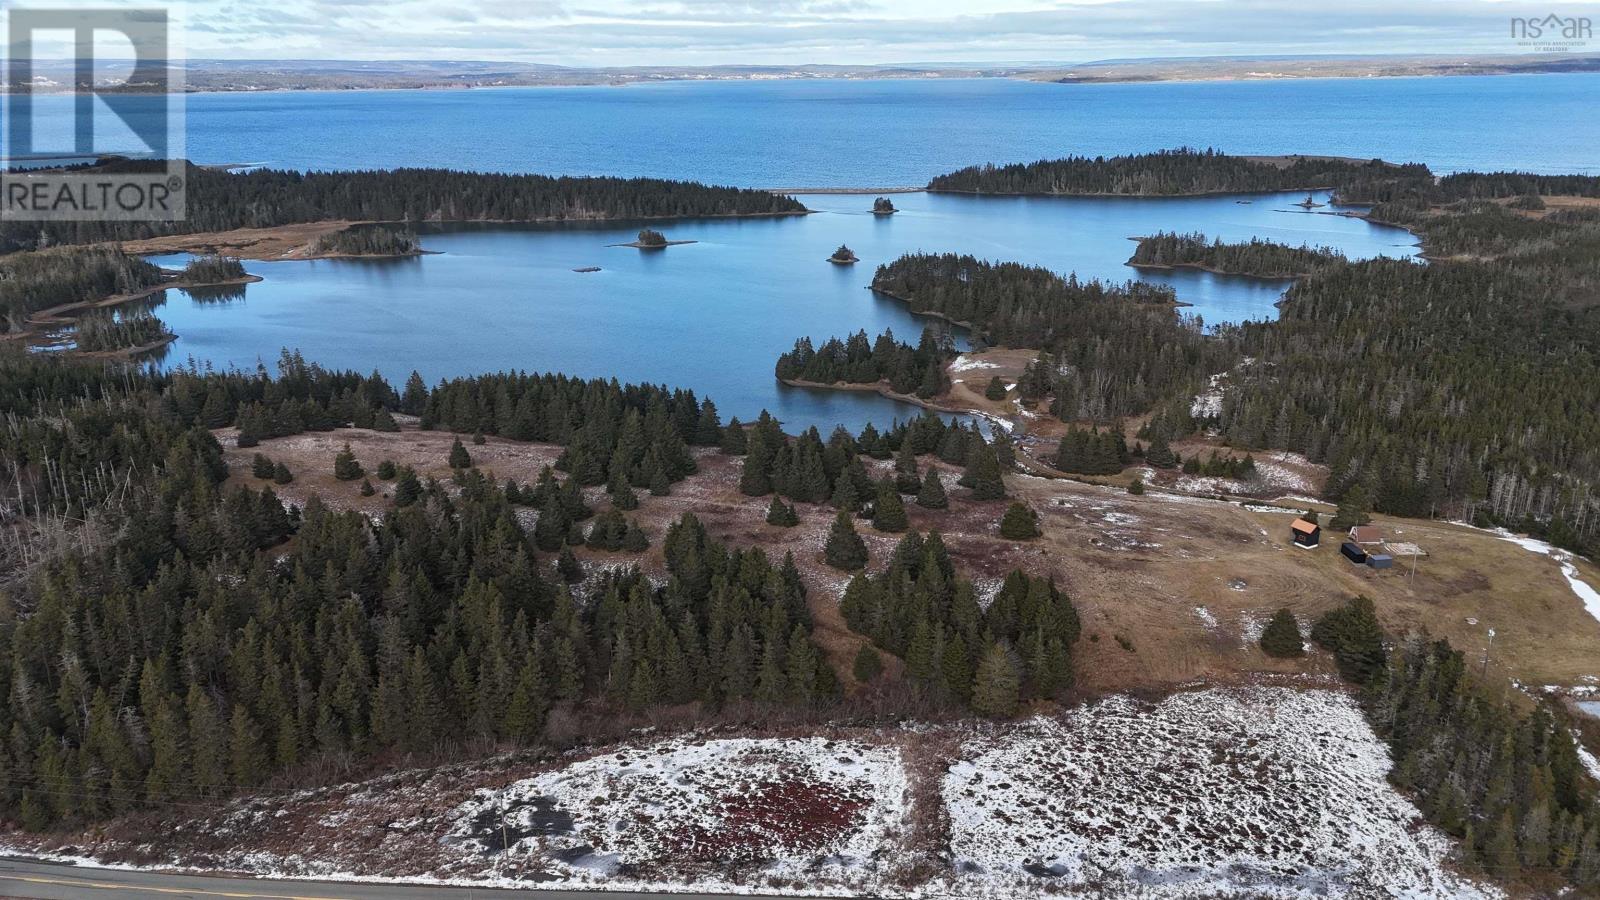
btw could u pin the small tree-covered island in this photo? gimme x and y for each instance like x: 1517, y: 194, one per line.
x: 519, y: 628
x: 651, y: 239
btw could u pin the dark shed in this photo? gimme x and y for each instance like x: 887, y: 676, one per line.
x: 1306, y: 534
x: 1353, y: 552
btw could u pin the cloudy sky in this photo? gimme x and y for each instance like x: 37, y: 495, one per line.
x: 709, y: 32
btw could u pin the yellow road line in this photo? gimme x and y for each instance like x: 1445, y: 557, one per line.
x: 108, y: 886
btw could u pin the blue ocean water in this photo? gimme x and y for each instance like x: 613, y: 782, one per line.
x: 830, y: 133
x: 714, y: 315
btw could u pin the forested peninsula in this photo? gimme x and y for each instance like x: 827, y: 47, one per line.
x: 1465, y: 387
x: 1173, y: 173
x: 265, y: 198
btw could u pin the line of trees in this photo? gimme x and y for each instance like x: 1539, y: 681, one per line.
x: 212, y: 268
x: 106, y: 331
x: 369, y: 240
x: 1258, y: 258
x: 915, y: 370
x: 806, y: 470
x: 1093, y: 452
x: 1172, y: 173
x: 265, y: 198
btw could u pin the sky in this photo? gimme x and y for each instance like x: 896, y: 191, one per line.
x: 715, y: 32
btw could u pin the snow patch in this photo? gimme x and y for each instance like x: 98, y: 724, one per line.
x: 1265, y: 791
x: 792, y: 806
x: 964, y: 363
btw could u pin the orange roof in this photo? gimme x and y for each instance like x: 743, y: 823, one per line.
x: 1302, y: 526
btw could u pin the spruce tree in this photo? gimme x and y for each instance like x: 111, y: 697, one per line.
x: 983, y: 473
x: 367, y: 490
x: 800, y: 664
x: 905, y: 459
x: 1352, y: 633
x: 568, y: 567
x: 634, y: 540
x: 459, y: 457
x: 407, y: 489
x: 261, y: 466
x: 733, y: 438
x: 782, y: 514
x: 1159, y: 454
x: 623, y: 496
x: 382, y: 420
x: 386, y: 470
x: 247, y: 758
x: 997, y: 686
x: 281, y: 474
x: 844, y: 548
x: 550, y: 530
x: 659, y: 486
x: 754, y: 480
x: 996, y: 390
x: 889, y: 513
x: 345, y: 467
x: 1281, y: 637
x: 1020, y: 523
x: 1355, y: 508
x: 844, y: 496
x: 932, y: 495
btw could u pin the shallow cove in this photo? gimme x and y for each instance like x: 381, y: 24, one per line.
x: 711, y: 316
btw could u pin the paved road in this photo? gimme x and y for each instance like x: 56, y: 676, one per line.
x: 56, y: 881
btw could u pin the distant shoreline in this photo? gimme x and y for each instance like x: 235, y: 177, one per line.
x: 1148, y: 71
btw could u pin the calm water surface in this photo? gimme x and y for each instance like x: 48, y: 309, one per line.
x: 830, y: 133
x: 714, y: 315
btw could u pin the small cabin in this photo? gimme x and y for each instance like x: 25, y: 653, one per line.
x: 1366, y: 534
x: 1380, y: 561
x: 1353, y: 552
x: 1305, y: 533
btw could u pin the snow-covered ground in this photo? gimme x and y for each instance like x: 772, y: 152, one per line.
x: 794, y: 806
x: 1265, y: 791
x: 965, y: 363
x: 1262, y: 791
x: 1281, y: 471
x: 1208, y: 403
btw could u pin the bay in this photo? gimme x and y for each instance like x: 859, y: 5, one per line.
x: 713, y: 315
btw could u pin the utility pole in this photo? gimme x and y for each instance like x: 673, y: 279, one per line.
x: 1486, y: 648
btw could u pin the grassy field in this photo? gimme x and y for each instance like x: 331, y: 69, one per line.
x: 1172, y: 588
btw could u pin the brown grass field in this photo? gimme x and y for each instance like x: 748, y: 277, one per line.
x: 1186, y: 582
